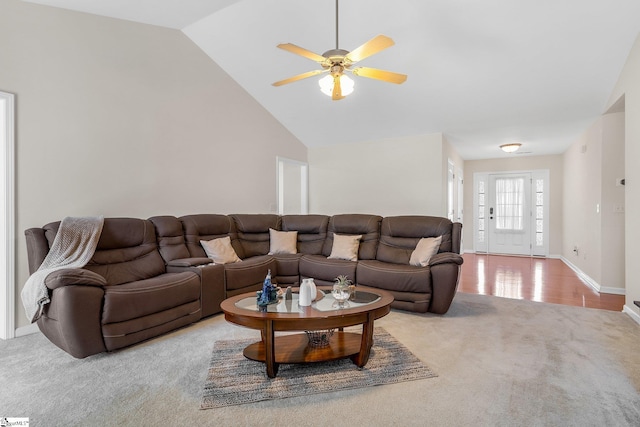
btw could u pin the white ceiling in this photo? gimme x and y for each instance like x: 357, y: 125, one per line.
x: 483, y: 72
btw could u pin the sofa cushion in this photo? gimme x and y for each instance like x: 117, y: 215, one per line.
x: 394, y: 277
x: 287, y: 267
x: 171, y: 243
x: 353, y: 224
x: 122, y: 334
x: 425, y: 249
x: 207, y: 227
x: 220, y: 250
x: 345, y: 247
x: 249, y: 274
x: 144, y: 297
x: 312, y: 231
x: 400, y: 235
x: 282, y: 242
x: 325, y: 270
x: 253, y: 232
x: 127, y: 251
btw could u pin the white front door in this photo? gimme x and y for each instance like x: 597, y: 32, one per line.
x: 510, y: 214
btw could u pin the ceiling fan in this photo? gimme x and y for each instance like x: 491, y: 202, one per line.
x: 337, y: 61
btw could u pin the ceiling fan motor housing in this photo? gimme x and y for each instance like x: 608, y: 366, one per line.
x: 336, y: 57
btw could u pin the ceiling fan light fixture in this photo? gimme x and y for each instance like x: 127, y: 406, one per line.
x: 511, y: 147
x: 337, y: 61
x: 326, y: 85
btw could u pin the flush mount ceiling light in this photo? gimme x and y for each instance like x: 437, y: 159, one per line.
x: 510, y: 148
x: 336, y: 61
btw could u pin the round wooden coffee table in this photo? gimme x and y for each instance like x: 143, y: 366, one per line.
x: 368, y: 305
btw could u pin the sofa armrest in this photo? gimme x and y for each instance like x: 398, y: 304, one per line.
x: 444, y: 282
x: 72, y: 320
x: 74, y: 276
x: 189, y: 262
x: 445, y: 257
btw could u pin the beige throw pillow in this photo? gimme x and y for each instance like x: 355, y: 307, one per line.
x: 425, y: 249
x: 345, y: 247
x: 220, y: 250
x: 282, y: 242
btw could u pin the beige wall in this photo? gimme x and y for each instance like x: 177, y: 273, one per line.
x: 583, y: 206
x: 122, y: 119
x: 592, y: 165
x: 396, y: 176
x: 518, y: 163
x: 629, y: 85
x: 613, y: 217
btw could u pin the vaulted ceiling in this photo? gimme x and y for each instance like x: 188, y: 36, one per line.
x: 483, y: 72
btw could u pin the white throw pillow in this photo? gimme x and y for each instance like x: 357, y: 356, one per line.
x: 345, y: 247
x: 282, y: 242
x: 425, y: 249
x: 220, y: 250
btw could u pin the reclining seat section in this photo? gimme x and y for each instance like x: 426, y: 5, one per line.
x: 122, y: 296
x: 176, y: 255
x: 415, y: 288
x: 252, y: 247
x: 312, y: 232
x: 323, y: 269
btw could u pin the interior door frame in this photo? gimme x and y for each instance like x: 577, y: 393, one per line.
x: 451, y: 202
x: 7, y: 250
x: 304, y: 183
x: 460, y: 187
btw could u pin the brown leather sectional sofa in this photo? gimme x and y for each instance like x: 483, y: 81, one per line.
x: 148, y: 277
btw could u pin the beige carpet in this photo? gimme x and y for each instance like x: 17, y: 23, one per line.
x: 499, y: 362
x: 234, y: 380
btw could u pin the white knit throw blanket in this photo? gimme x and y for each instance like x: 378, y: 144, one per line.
x: 73, y: 247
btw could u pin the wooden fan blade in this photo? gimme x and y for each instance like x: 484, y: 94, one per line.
x: 337, y: 89
x: 298, y: 77
x: 289, y: 47
x: 374, y: 45
x: 383, y: 75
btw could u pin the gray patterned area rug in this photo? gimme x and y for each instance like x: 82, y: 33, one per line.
x: 234, y: 380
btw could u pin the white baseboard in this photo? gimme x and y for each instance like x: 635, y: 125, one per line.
x: 27, y: 330
x: 592, y: 283
x: 581, y: 274
x: 632, y: 313
x: 471, y: 251
x: 613, y: 291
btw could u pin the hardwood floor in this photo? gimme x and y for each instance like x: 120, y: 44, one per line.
x: 534, y: 279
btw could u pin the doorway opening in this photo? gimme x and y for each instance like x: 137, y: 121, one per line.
x: 455, y: 193
x: 292, y: 182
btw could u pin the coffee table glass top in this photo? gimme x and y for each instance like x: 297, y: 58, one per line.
x: 326, y: 303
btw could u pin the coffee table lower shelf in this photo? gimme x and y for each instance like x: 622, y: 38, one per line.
x: 295, y: 348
